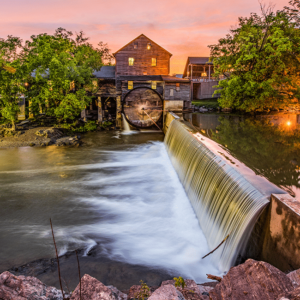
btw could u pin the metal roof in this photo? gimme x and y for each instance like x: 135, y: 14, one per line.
x: 105, y: 72
x: 198, y: 60
x: 174, y: 79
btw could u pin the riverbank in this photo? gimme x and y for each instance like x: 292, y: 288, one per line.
x: 37, y: 137
x: 250, y: 280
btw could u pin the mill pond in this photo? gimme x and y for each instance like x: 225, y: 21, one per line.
x: 119, y: 200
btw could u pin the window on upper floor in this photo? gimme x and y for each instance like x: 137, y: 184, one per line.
x: 130, y: 61
x: 149, y: 46
x: 177, y: 87
x: 153, y: 64
x: 135, y: 45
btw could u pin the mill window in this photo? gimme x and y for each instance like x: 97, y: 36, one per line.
x: 153, y: 62
x: 171, y: 92
x: 130, y: 61
x: 153, y: 85
x: 177, y: 87
x: 130, y: 85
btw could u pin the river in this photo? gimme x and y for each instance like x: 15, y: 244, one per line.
x: 117, y: 198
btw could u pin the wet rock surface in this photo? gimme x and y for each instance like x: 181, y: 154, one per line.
x: 21, y: 288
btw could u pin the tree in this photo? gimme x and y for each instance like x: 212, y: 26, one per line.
x: 260, y: 62
x: 13, y: 75
x: 63, y: 73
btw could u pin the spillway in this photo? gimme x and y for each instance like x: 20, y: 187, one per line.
x: 224, y: 200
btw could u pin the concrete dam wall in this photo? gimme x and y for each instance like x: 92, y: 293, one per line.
x: 262, y: 220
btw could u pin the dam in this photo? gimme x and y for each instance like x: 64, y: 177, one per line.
x: 230, y: 199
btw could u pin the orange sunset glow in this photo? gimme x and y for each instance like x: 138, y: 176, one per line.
x: 184, y: 28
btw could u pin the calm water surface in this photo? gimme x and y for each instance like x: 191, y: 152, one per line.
x: 118, y: 194
x: 268, y: 144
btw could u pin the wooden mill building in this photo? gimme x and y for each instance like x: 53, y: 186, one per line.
x: 139, y: 86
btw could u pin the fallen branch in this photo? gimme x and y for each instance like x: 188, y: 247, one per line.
x: 216, y: 247
x: 79, y: 274
x: 213, y: 277
x: 62, y: 291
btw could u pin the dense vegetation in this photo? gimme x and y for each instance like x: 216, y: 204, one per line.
x: 260, y: 60
x: 54, y: 73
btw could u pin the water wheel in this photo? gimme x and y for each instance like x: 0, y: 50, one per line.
x: 142, y: 104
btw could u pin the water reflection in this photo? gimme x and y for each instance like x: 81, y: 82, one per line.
x: 268, y: 144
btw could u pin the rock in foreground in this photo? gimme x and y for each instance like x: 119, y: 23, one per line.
x: 26, y: 287
x: 252, y: 280
x: 93, y: 289
x: 166, y: 292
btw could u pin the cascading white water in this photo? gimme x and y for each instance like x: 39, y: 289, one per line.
x: 125, y: 124
x: 223, y: 200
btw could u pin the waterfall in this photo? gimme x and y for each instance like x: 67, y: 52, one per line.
x: 125, y: 124
x: 224, y: 201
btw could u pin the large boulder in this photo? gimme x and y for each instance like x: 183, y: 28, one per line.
x: 252, y: 280
x: 166, y: 292
x: 93, y: 289
x: 26, y: 287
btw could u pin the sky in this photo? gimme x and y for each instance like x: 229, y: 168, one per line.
x: 184, y: 28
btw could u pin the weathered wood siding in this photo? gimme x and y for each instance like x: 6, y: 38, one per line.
x: 184, y: 92
x: 147, y: 84
x: 204, y: 90
x: 107, y: 88
x: 142, y: 59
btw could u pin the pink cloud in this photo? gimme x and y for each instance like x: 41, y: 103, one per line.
x: 184, y: 28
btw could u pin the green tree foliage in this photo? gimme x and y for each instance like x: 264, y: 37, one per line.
x: 63, y: 73
x: 260, y: 61
x: 13, y: 74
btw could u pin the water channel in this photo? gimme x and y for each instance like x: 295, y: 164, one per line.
x: 117, y: 198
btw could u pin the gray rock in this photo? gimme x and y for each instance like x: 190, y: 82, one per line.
x: 166, y: 292
x: 23, y: 288
x: 118, y: 294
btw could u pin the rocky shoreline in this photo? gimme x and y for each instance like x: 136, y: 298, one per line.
x: 250, y: 280
x: 37, y: 137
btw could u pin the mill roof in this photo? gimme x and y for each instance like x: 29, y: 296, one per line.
x: 138, y: 38
x: 105, y: 72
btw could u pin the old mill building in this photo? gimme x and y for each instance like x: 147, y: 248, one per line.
x: 139, y: 86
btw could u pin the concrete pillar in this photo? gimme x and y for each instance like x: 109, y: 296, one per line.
x: 100, y: 116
